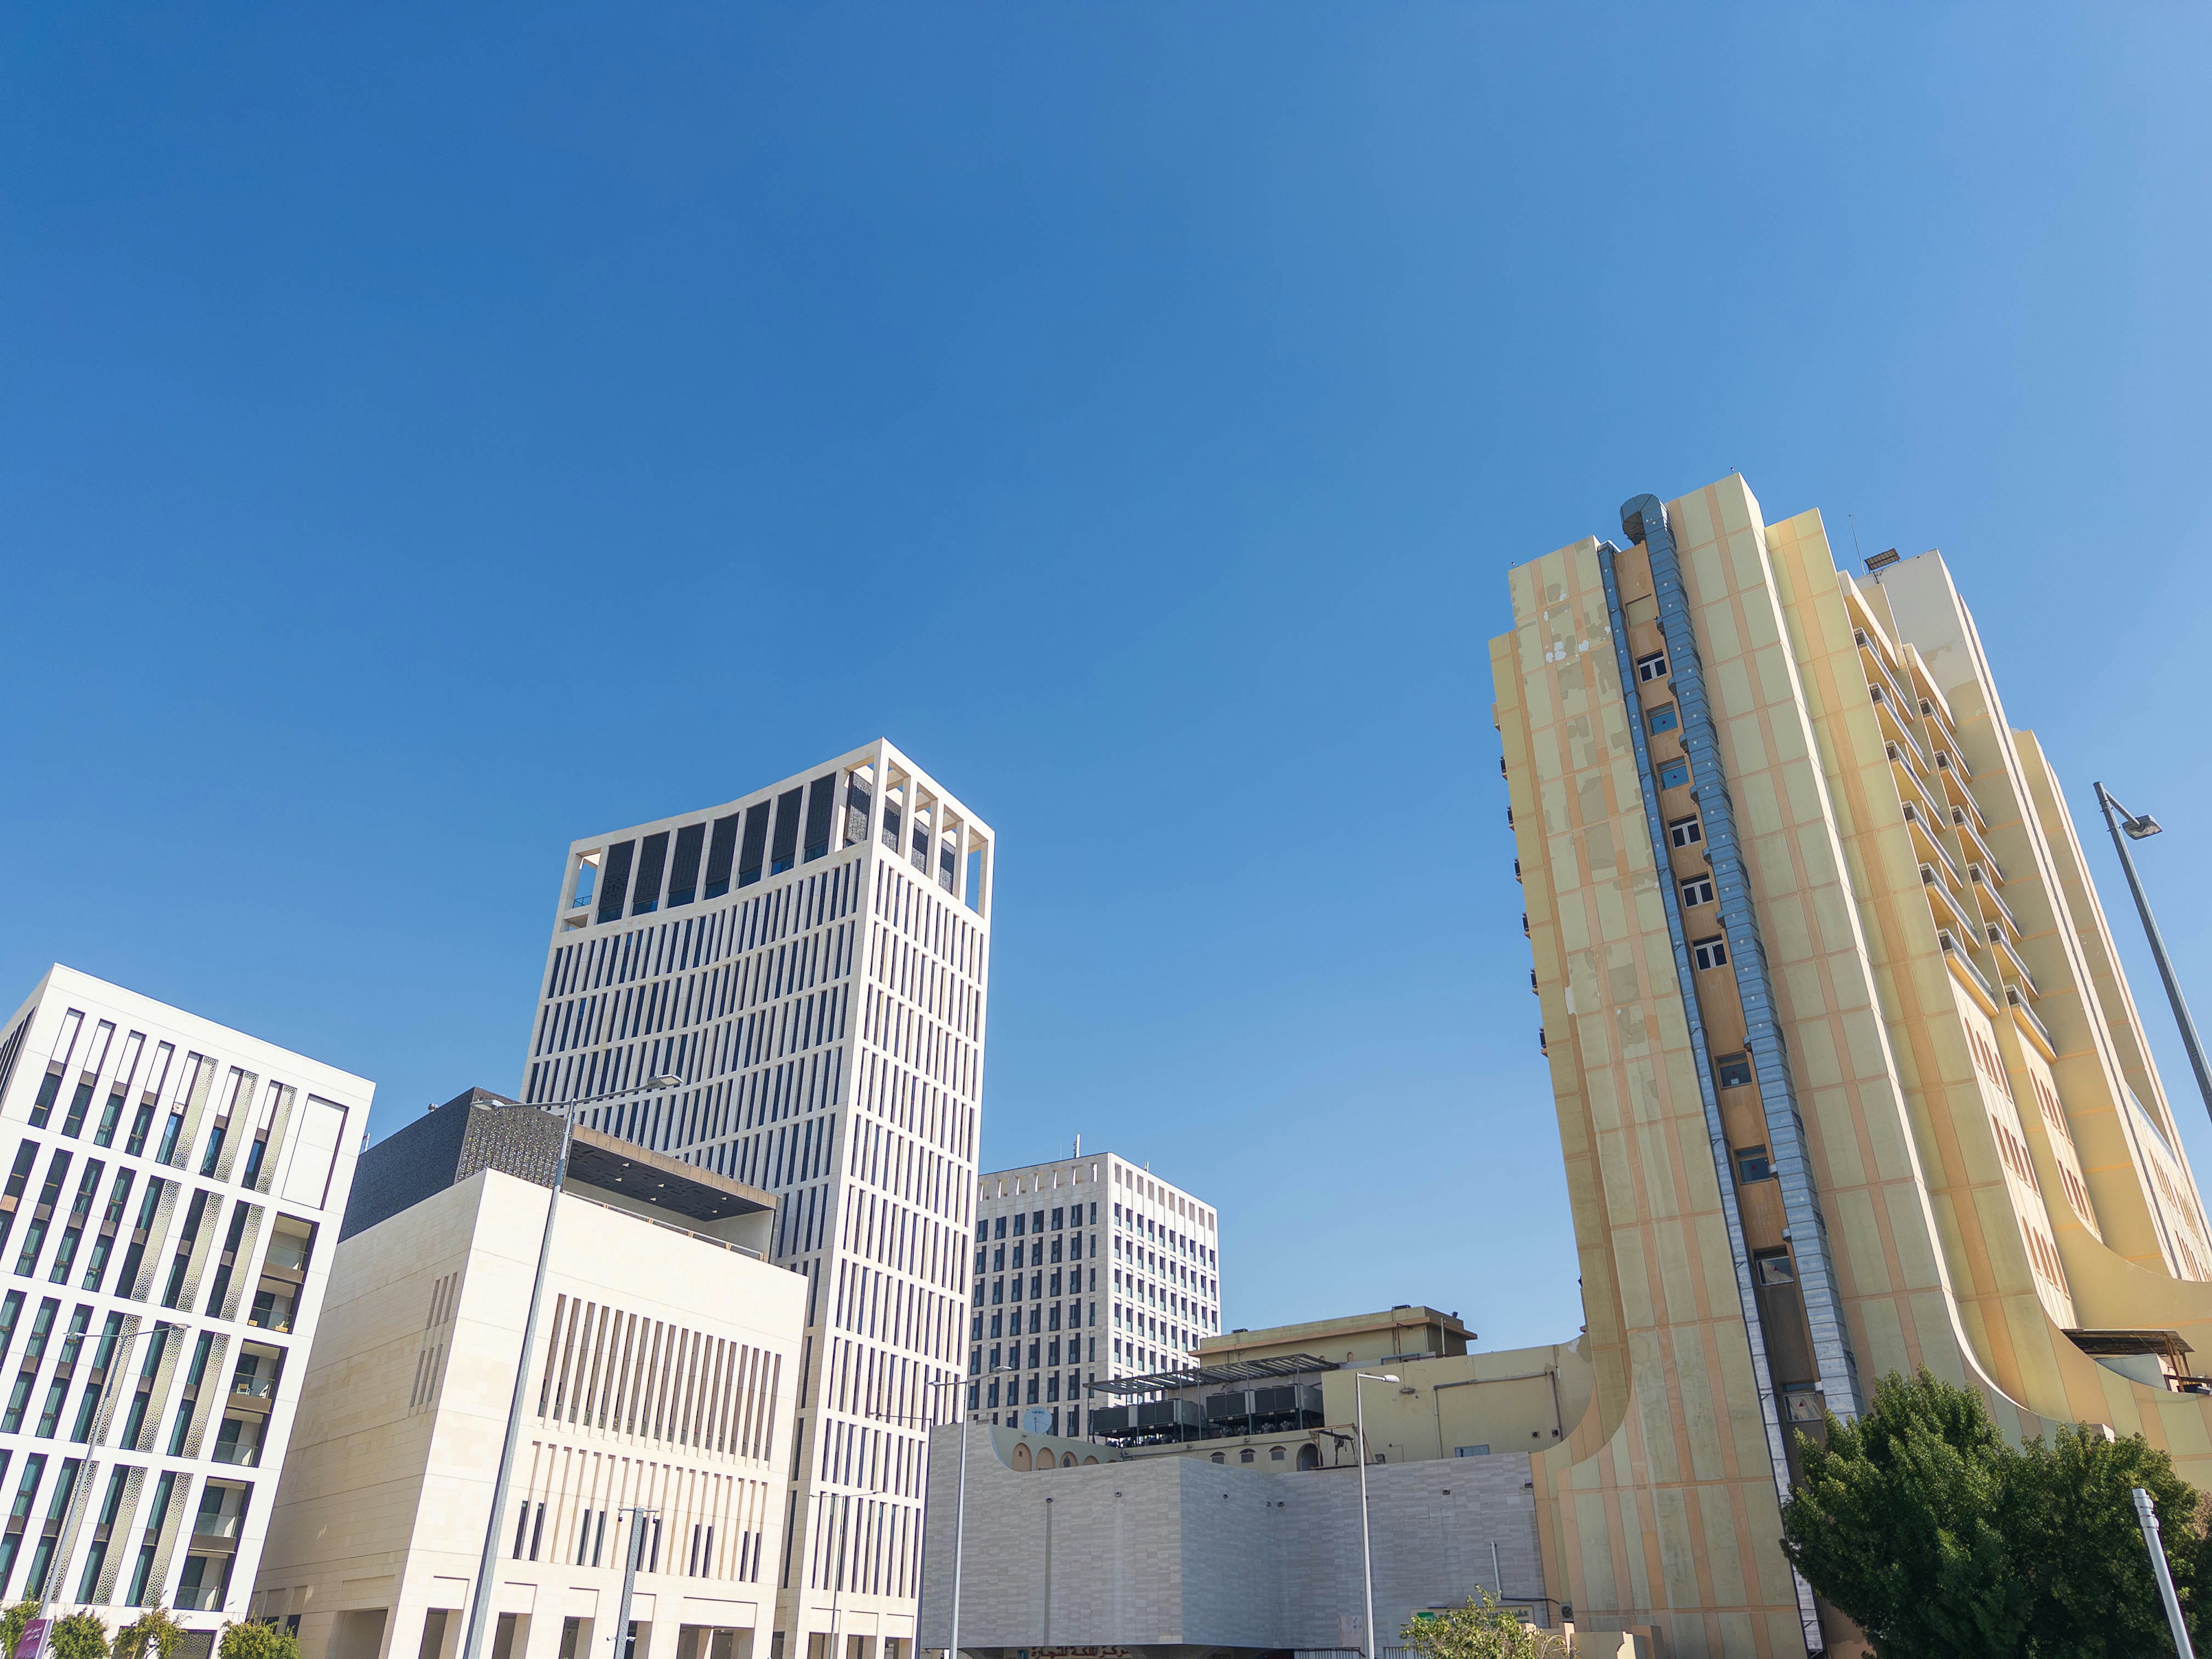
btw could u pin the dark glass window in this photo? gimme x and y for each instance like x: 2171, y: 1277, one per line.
x: 720, y: 851
x: 1752, y: 1164
x: 1663, y: 719
x: 614, y: 881
x: 756, y: 844
x: 821, y: 800
x: 651, y: 860
x: 785, y: 853
x: 1735, y: 1070
x: 683, y: 874
x: 1673, y: 774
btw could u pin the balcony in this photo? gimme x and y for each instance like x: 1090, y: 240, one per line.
x: 2030, y: 1027
x: 1940, y: 902
x: 1970, y: 834
x: 1895, y: 727
x: 1931, y: 850
x: 2007, y: 957
x: 271, y: 1312
x: 1999, y: 913
x: 1963, y: 966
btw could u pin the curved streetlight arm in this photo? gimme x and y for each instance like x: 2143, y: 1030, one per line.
x: 2117, y: 819
x: 480, y: 1595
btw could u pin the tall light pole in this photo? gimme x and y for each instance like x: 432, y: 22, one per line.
x: 2147, y: 1518
x: 1366, y: 1550
x: 2139, y: 829
x: 955, y: 1382
x: 472, y: 1645
x: 637, y: 1515
x: 68, y: 1547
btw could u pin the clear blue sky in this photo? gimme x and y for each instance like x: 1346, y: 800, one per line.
x: 424, y: 439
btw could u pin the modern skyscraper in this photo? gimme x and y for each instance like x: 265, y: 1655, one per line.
x: 1087, y: 1268
x: 172, y: 1194
x: 1848, y: 1076
x: 814, y: 958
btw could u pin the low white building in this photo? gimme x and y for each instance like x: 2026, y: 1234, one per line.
x: 172, y: 1193
x: 664, y: 1373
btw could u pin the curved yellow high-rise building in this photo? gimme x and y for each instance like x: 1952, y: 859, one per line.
x: 1847, y: 1075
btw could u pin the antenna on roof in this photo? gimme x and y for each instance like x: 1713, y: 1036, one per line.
x: 1857, y: 552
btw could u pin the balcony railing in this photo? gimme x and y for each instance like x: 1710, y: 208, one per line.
x: 257, y: 1388
x: 1955, y: 954
x: 2028, y: 1017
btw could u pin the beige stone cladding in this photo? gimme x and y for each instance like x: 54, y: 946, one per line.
x: 1997, y: 1185
x: 665, y: 1374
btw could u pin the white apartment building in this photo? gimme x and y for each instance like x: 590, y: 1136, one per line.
x: 666, y: 1361
x: 1086, y: 1268
x: 814, y: 958
x: 171, y: 1192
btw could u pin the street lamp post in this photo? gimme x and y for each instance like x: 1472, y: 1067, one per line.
x: 472, y: 1645
x: 1366, y: 1550
x: 955, y: 1382
x: 68, y: 1546
x: 2117, y: 821
x: 637, y: 1515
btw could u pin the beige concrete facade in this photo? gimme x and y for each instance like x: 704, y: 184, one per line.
x: 664, y: 1373
x: 1847, y: 1079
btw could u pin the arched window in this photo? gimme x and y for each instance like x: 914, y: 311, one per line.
x: 1091, y: 1462
x: 1245, y: 1456
x: 1309, y: 1456
x: 1045, y: 1460
x: 1021, y: 1458
x: 1219, y: 1458
x: 1275, y: 1454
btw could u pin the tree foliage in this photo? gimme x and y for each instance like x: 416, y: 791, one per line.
x: 1940, y: 1540
x: 79, y: 1636
x: 11, y: 1624
x: 1480, y: 1629
x: 155, y: 1628
x: 257, y: 1640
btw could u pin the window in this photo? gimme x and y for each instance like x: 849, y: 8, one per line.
x: 1663, y: 719
x: 1772, y: 1267
x: 1470, y: 1451
x: 1673, y: 774
x: 1735, y: 1070
x: 1752, y: 1164
x: 1709, y: 952
x: 1699, y: 889
x: 1651, y: 667
x: 1686, y: 832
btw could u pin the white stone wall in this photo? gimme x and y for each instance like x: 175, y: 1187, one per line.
x: 379, y: 1517
x: 1173, y: 1551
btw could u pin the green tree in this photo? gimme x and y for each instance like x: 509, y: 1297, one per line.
x: 80, y: 1636
x: 11, y: 1625
x: 156, y: 1628
x: 2097, y: 1597
x: 1909, y: 1520
x: 256, y: 1640
x: 1480, y: 1629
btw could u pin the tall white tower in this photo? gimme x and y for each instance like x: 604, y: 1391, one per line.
x: 813, y: 958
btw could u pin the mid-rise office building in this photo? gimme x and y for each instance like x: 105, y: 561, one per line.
x: 1848, y: 1076
x: 661, y: 1379
x: 814, y: 959
x: 172, y: 1191
x: 1087, y: 1268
